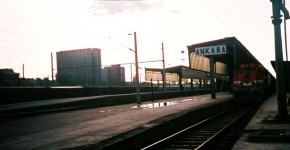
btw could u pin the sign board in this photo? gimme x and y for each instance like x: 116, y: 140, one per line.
x: 212, y: 50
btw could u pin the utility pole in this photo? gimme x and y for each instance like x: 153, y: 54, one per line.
x: 286, y: 52
x: 163, y: 71
x: 23, y: 70
x: 285, y: 34
x: 212, y: 81
x: 137, y: 71
x: 131, y: 72
x: 280, y: 77
x: 51, y: 56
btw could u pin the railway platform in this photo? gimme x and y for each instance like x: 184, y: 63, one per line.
x: 64, y: 104
x: 108, y: 125
x: 266, y: 130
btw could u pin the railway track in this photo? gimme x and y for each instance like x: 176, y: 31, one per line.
x: 218, y: 132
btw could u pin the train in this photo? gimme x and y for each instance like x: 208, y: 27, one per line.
x: 252, y: 83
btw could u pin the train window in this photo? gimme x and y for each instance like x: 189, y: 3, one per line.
x: 244, y: 70
x: 248, y: 70
x: 251, y: 70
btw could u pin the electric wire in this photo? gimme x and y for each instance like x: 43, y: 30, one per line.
x: 219, y: 18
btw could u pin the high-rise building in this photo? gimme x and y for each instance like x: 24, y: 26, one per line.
x: 113, y: 75
x: 79, y: 67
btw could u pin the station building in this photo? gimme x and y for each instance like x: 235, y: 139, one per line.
x: 227, y: 54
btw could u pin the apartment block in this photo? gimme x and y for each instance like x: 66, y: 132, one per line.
x: 113, y: 75
x: 79, y: 67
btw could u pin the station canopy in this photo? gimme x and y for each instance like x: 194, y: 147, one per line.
x: 173, y: 73
x: 228, y: 54
x: 236, y: 53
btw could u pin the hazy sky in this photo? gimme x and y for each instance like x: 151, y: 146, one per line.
x: 31, y: 29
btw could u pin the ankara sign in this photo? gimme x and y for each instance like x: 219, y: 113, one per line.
x: 212, y: 50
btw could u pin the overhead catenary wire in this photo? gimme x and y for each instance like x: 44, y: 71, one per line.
x: 219, y: 18
x: 121, y: 44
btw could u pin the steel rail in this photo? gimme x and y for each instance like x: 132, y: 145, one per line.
x: 202, y: 134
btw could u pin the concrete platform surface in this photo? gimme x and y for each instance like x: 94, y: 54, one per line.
x: 266, y: 131
x: 95, y: 124
x: 59, y: 104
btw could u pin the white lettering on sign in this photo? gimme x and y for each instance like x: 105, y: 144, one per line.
x: 212, y: 50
